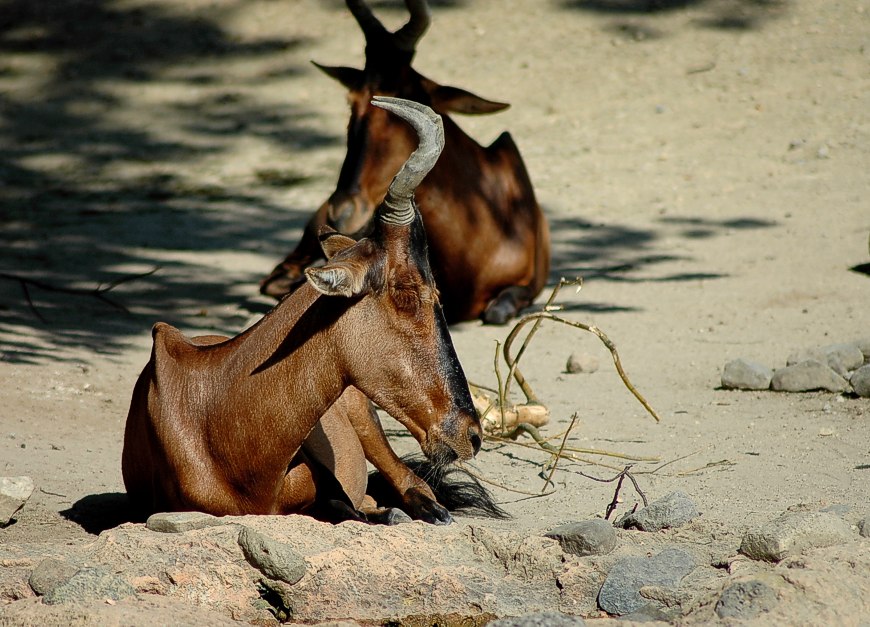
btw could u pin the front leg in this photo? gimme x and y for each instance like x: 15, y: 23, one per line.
x: 415, y: 496
x: 507, y: 304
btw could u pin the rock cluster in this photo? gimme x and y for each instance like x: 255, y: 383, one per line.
x: 834, y: 368
x: 291, y: 568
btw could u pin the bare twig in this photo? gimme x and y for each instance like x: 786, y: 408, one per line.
x: 544, y: 315
x: 98, y: 292
x: 501, y: 398
x: 558, y: 455
x: 542, y: 442
x: 615, y: 501
x: 513, y: 362
x: 480, y: 477
x: 619, y: 479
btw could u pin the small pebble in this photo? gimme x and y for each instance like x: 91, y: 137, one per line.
x: 584, y: 362
x: 860, y: 381
x: 668, y: 512
x: 274, y: 559
x: 90, y: 584
x: 179, y: 522
x: 792, y: 533
x: 864, y: 343
x: 14, y: 493
x: 745, y: 600
x: 49, y: 574
x: 807, y: 376
x: 587, y: 537
x: 743, y: 374
x: 620, y: 593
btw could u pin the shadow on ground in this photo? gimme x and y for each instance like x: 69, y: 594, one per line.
x: 635, y: 19
x: 92, y: 181
x: 90, y: 190
x: 96, y: 513
x: 625, y: 254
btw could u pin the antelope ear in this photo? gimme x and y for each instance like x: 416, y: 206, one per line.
x: 338, y: 279
x: 455, y: 100
x: 333, y: 242
x: 350, y: 77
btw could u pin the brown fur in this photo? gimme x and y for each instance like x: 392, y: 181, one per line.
x: 244, y: 425
x: 489, y: 242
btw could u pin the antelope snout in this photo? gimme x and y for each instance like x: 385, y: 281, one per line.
x: 459, y: 439
x: 475, y: 438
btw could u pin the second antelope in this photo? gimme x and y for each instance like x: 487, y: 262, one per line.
x: 489, y: 242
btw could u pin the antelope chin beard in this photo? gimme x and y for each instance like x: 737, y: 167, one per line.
x: 440, y: 453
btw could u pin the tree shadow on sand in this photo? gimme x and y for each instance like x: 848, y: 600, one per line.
x: 624, y: 254
x: 73, y: 79
x: 635, y: 18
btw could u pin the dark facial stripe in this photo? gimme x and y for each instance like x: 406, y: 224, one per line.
x: 354, y: 160
x: 457, y: 384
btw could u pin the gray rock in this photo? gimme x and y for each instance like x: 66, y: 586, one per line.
x: 49, y: 574
x: 742, y: 374
x: 14, y: 492
x: 792, y: 533
x: 841, y: 358
x: 864, y: 345
x: 648, y: 614
x: 864, y: 527
x: 584, y: 362
x: 745, y: 599
x: 672, y: 510
x: 540, y: 619
x: 861, y: 381
x: 179, y: 522
x: 588, y: 537
x: 807, y: 376
x: 274, y: 559
x: 803, y: 354
x: 90, y: 584
x: 620, y: 593
x: 839, y: 509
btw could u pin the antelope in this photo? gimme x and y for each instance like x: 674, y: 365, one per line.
x: 252, y: 424
x: 489, y: 242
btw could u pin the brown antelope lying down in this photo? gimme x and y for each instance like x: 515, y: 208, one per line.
x: 489, y: 243
x: 265, y: 422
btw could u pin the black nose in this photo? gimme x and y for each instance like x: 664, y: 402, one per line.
x: 474, y: 438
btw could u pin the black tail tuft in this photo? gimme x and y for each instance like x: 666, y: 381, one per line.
x: 454, y: 488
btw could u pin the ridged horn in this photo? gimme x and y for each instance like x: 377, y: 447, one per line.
x: 405, y: 38
x: 370, y: 25
x: 398, y: 205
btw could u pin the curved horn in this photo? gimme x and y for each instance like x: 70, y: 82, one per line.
x: 398, y: 207
x: 370, y: 25
x: 406, y: 38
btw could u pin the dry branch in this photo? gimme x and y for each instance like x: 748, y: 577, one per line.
x: 545, y: 315
x: 513, y: 427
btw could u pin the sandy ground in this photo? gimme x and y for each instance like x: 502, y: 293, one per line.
x: 703, y: 166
